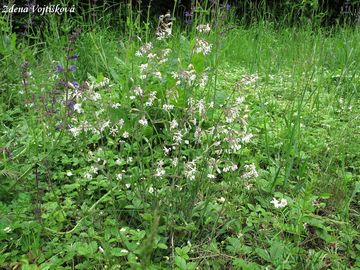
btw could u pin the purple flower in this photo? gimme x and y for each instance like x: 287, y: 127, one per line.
x: 59, y: 69
x: 226, y: 6
x: 72, y: 68
x: 187, y: 14
x: 71, y: 104
x: 188, y: 17
x: 74, y: 56
x: 75, y: 84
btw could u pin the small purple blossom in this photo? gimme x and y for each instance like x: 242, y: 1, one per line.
x: 59, y: 69
x: 71, y: 104
x: 226, y: 6
x: 73, y: 56
x: 75, y: 84
x: 72, y: 68
x: 188, y: 17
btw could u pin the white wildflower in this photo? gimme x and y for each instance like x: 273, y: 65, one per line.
x: 173, y: 124
x: 158, y: 75
x: 175, y: 75
x: 144, y: 49
x: 202, y: 46
x: 104, y: 125
x: 166, y: 51
x: 247, y: 138
x: 279, y: 204
x: 190, y: 170
x: 178, y: 137
x: 168, y: 107
x: 99, y: 112
x: 77, y: 108
x: 160, y: 170
x: 203, y: 28
x: 94, y: 169
x: 203, y: 80
x: 151, y: 55
x: 240, y: 100
x: 174, y: 162
x: 75, y: 131
x: 162, y: 61
x: 121, y: 123
x: 250, y: 172
x: 151, y: 99
x: 166, y: 150
x: 114, y: 130
x: 143, y: 67
x: 143, y: 121
x: 95, y: 96
x: 125, y: 135
x: 138, y: 91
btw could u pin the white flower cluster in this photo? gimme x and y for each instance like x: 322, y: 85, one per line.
x: 279, y: 204
x: 202, y: 46
x: 250, y: 172
x: 188, y: 76
x: 144, y: 50
x: 198, y: 137
x: 164, y: 28
x: 203, y: 28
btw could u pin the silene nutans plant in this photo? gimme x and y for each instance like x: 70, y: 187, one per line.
x: 199, y: 140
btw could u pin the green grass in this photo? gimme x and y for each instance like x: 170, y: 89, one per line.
x: 301, y: 89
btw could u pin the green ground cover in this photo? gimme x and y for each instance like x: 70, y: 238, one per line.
x: 233, y: 149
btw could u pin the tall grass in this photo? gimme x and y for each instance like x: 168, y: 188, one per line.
x: 287, y: 199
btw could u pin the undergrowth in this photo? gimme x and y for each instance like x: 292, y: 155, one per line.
x: 216, y: 146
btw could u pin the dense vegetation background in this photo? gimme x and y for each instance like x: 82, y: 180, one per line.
x: 224, y: 136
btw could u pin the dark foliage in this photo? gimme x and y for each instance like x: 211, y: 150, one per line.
x: 328, y: 12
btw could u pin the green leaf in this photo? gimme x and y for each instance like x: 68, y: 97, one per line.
x: 85, y: 249
x: 162, y: 246
x: 244, y: 265
x: 180, y: 262
x: 263, y: 254
x: 276, y: 251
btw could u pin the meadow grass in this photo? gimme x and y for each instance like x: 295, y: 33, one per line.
x: 242, y: 158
